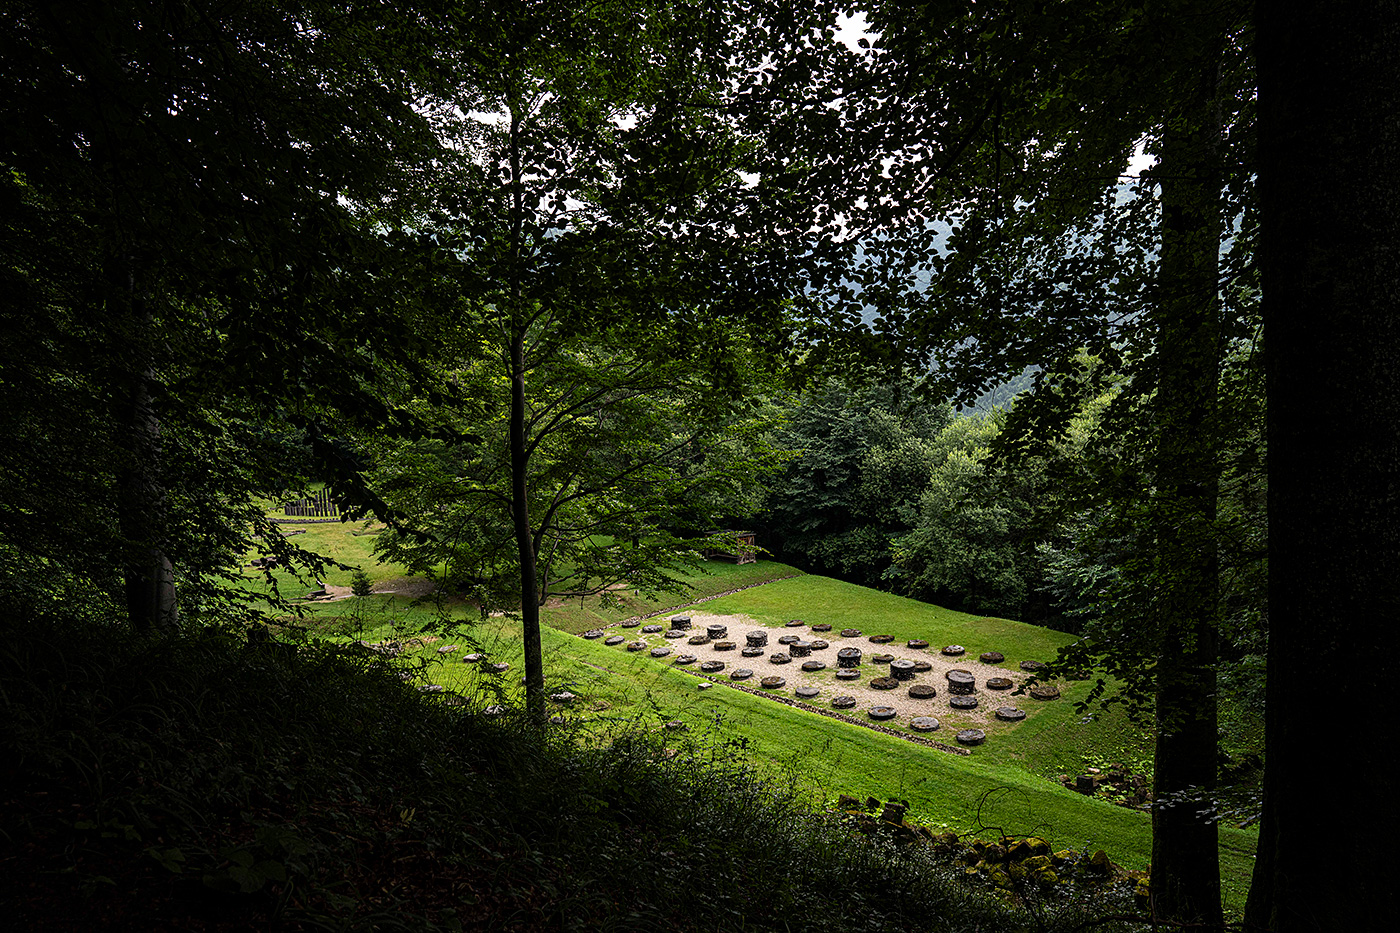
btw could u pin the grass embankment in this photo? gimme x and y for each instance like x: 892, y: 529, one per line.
x: 1005, y: 784
x: 706, y: 581
x: 199, y: 783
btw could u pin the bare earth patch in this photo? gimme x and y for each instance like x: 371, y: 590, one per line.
x: 408, y: 587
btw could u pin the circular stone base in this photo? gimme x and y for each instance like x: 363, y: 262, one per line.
x: 772, y: 683
x: 675, y: 633
x: 814, y: 665
x: 900, y: 669
x: 999, y: 683
x: 848, y: 657
x: 819, y: 643
x: 800, y: 649
x: 636, y: 645
x: 680, y: 622
x: 843, y: 702
x: 916, y: 643
x: 593, y: 633
x: 794, y: 623
x: 630, y: 623
x: 991, y: 657
x: 850, y: 633
x: 756, y: 639
x: 954, y: 651
x: 651, y: 629
x: 686, y: 659
x: 923, y: 724
x: 716, y: 631
x: 882, y: 713
x: 778, y: 659
x: 752, y: 652
x: 806, y: 693
x: 922, y: 692
x: 660, y: 652
x: 698, y: 640
x: 884, y: 683
x: 847, y: 675
x: 789, y: 639
x: 881, y: 658
x: 1010, y: 714
x: 1045, y: 692
x: 711, y: 667
x: 725, y: 646
x: 881, y: 639
x: 1032, y: 665
x: 821, y: 627
x: 922, y: 667
x: 742, y: 673
x: 962, y: 702
x: 971, y: 737
x: 614, y: 640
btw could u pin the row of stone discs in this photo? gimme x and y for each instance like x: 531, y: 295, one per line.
x: 961, y: 682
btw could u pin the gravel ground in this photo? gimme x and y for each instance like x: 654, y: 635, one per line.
x: 906, y: 708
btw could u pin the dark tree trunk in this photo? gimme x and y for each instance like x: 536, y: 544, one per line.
x: 524, y: 534
x: 519, y: 451
x: 148, y: 581
x: 1329, y: 144
x: 1185, y: 855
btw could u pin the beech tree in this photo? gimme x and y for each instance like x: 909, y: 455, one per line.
x: 611, y: 195
x: 631, y: 467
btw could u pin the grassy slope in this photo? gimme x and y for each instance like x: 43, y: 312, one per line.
x: 711, y: 578
x: 350, y: 543
x: 200, y: 783
x: 1004, y: 784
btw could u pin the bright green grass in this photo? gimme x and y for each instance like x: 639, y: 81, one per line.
x: 349, y: 543
x: 710, y: 578
x: 1000, y: 786
x: 1004, y: 785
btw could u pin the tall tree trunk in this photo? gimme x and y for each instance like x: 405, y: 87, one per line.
x: 519, y: 462
x: 148, y: 581
x: 1329, y: 144
x: 1185, y: 855
x: 524, y: 534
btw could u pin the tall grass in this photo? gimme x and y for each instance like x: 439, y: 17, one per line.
x: 201, y: 781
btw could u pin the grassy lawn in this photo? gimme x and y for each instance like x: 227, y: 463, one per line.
x: 710, y: 578
x: 350, y: 543
x: 1005, y: 785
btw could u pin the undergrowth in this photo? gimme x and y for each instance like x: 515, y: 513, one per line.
x: 202, y: 782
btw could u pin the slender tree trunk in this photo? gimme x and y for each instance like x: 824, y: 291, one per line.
x: 1185, y: 859
x: 524, y: 534
x: 1329, y: 144
x: 519, y: 462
